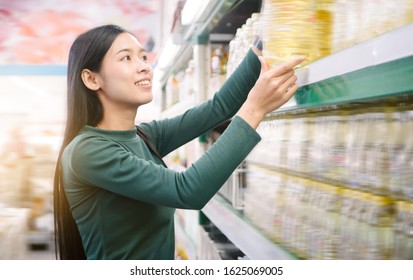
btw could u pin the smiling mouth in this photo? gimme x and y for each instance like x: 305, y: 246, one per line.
x: 143, y: 83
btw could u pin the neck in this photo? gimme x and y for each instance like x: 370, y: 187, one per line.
x: 124, y: 120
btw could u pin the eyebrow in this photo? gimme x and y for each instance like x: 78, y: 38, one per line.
x: 130, y: 50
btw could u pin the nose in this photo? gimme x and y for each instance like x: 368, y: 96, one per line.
x: 143, y: 66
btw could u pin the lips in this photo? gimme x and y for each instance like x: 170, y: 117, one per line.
x: 143, y: 83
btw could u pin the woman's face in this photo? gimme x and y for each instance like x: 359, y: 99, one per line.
x: 125, y: 77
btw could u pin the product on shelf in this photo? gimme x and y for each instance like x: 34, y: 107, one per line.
x: 363, y: 148
x: 291, y: 28
x: 316, y: 28
x: 403, y: 231
x: 325, y: 183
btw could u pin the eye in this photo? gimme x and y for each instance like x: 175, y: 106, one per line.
x: 144, y: 58
x: 126, y: 57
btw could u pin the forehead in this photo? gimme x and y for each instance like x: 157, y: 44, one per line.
x: 125, y: 41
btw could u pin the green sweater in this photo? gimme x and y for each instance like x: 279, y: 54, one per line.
x: 121, y: 196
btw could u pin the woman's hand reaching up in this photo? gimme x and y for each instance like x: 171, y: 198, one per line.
x: 273, y: 88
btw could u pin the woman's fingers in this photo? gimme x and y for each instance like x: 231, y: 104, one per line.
x: 288, y: 84
x: 264, y: 64
x: 290, y: 92
x: 287, y: 66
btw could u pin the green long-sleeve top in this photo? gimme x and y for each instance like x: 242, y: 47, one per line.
x: 121, y: 196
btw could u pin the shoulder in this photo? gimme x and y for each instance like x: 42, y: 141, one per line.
x: 87, y: 147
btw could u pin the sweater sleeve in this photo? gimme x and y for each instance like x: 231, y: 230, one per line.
x: 104, y: 164
x: 172, y: 133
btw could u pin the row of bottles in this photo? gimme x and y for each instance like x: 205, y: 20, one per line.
x: 179, y: 86
x: 316, y: 28
x: 243, y: 39
x: 322, y: 221
x: 368, y: 148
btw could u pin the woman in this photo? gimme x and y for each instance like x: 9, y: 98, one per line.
x: 114, y: 198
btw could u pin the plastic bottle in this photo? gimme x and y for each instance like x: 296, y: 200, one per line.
x: 312, y: 226
x: 292, y: 163
x: 319, y: 153
x: 256, y: 26
x: 363, y: 226
x: 340, y: 145
x: 380, y: 177
x: 408, y: 16
x: 409, y: 233
x: 286, y: 32
x: 358, y: 211
x: 355, y: 146
x: 332, y: 221
x: 399, y: 229
x: 346, y: 241
x: 380, y: 241
x: 323, y: 16
x: 306, y: 145
x: 331, y: 145
x: 397, y: 136
x: 408, y: 157
x: 285, y: 142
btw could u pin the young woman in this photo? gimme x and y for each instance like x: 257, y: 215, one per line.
x: 114, y: 198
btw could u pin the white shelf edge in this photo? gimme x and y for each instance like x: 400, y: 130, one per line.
x: 247, y: 238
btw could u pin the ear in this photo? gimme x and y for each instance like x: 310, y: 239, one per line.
x: 90, y: 79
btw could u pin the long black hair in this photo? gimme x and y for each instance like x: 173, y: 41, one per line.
x: 83, y: 108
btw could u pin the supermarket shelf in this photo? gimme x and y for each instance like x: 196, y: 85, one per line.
x: 191, y: 34
x: 240, y: 232
x: 380, y: 67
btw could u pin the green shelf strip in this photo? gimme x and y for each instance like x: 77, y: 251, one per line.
x: 387, y: 79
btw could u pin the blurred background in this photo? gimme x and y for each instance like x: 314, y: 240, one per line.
x: 34, y: 43
x: 332, y: 176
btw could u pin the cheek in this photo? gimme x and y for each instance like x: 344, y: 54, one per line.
x: 115, y: 80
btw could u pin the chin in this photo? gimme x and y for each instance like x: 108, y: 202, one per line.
x: 146, y: 100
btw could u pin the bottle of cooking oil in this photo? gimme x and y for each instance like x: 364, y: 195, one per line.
x: 399, y: 228
x: 340, y: 144
x: 282, y: 204
x: 256, y: 26
x: 408, y: 16
x: 397, y: 137
x: 355, y: 149
x: 295, y: 141
x: 380, y: 179
x: 286, y: 30
x: 356, y: 224
x: 332, y: 221
x: 324, y: 17
x: 380, y: 229
x: 320, y: 154
x: 347, y: 234
x: 369, y: 164
x: 285, y: 141
x: 409, y: 233
x: 340, y: 26
x: 309, y: 223
x: 408, y: 155
x: 363, y: 229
